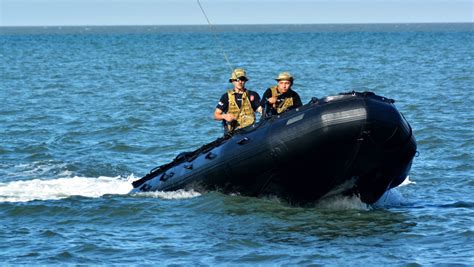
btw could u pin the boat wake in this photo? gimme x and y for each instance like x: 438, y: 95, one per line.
x: 37, y: 189
x: 178, y: 194
x: 61, y: 188
x: 93, y: 187
x: 391, y: 198
x: 341, y: 202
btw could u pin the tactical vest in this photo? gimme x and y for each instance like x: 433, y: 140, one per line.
x: 283, y: 105
x: 244, y: 115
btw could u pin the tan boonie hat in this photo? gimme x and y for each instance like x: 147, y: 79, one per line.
x: 238, y: 74
x: 284, y: 76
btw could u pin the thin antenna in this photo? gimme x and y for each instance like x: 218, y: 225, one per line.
x: 215, y: 36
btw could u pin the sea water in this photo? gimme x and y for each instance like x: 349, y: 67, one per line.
x: 84, y: 111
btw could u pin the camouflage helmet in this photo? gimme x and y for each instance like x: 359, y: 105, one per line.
x: 238, y: 74
x: 285, y: 76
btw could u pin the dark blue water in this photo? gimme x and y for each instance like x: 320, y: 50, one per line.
x: 84, y: 111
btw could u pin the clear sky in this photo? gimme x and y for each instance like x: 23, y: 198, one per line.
x: 187, y: 12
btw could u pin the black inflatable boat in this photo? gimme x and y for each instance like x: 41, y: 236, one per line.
x: 351, y: 143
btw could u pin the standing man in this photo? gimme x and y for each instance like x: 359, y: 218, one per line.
x: 281, y: 97
x: 236, y: 108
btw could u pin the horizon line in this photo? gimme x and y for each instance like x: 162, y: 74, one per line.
x: 232, y: 24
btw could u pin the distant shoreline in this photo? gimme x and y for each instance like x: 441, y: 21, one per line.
x: 329, y: 27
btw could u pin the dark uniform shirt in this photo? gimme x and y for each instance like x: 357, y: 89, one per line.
x: 269, y: 110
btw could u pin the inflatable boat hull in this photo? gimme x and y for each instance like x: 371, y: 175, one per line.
x: 352, y: 143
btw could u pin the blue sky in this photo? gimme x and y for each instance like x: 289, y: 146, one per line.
x: 187, y: 12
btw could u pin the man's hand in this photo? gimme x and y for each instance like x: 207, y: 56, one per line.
x: 228, y: 117
x: 272, y: 100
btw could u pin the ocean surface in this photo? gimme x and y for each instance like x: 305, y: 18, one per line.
x: 84, y: 111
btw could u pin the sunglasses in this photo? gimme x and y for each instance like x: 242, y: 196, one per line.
x: 242, y: 79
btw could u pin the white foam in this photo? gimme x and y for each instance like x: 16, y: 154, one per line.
x: 393, y: 197
x: 335, y: 201
x: 340, y: 202
x: 407, y: 181
x: 22, y: 191
x: 178, y: 194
